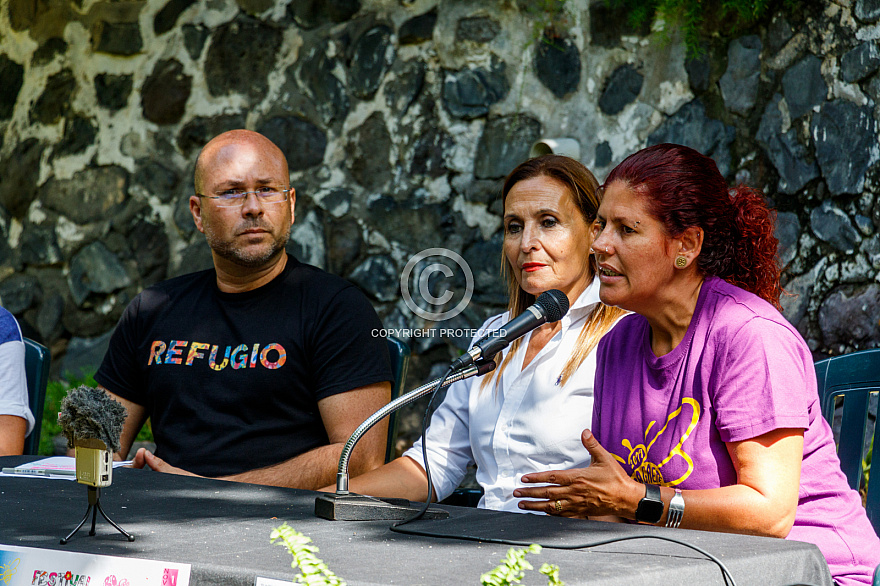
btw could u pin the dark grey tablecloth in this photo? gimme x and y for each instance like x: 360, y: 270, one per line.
x: 222, y: 529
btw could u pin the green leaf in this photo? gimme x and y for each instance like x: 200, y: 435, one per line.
x: 314, y: 571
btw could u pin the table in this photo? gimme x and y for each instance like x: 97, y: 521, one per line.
x: 222, y: 529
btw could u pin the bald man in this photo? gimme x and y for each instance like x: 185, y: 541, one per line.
x: 259, y: 369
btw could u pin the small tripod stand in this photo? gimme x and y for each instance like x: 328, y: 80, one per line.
x: 94, y: 508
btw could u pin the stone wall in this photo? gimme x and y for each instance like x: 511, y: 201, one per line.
x: 399, y: 118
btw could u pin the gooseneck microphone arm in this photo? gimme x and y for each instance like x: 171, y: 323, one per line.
x: 342, y: 474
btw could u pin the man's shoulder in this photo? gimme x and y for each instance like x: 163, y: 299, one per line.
x: 166, y: 293
x: 175, y: 285
x: 318, y: 282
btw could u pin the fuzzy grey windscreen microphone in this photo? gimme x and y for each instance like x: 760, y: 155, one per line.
x: 89, y: 413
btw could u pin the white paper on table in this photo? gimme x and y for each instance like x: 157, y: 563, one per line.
x: 64, y: 465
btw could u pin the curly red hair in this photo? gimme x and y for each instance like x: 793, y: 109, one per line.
x: 684, y: 189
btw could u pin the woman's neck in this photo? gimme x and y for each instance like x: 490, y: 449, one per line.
x: 538, y: 340
x: 670, y: 323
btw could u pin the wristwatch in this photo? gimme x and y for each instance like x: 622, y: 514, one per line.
x: 650, y: 508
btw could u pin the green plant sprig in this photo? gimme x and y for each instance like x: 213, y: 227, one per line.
x: 314, y: 571
x: 513, y: 568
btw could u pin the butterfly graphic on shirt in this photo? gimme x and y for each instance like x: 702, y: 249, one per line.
x: 648, y: 469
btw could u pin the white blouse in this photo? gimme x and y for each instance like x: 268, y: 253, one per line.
x: 528, y: 423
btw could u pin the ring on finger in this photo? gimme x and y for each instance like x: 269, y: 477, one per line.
x: 558, y: 506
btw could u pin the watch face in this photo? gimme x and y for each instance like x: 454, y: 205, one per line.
x: 649, y: 511
x: 650, y: 508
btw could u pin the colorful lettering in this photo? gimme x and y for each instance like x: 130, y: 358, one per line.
x: 175, y: 348
x: 156, y: 352
x: 194, y: 352
x: 282, y: 356
x: 169, y: 577
x: 212, y: 359
x: 240, y: 357
x: 44, y: 578
x: 253, y: 362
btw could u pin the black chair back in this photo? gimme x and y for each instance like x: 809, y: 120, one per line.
x: 36, y: 366
x: 852, y: 379
x: 400, y: 353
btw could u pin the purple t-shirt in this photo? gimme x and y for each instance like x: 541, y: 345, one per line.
x: 741, y: 371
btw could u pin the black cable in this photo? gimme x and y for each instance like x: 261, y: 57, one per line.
x: 427, y: 502
x: 725, y: 573
x: 397, y: 527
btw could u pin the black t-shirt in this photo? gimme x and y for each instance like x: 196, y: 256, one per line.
x: 231, y: 381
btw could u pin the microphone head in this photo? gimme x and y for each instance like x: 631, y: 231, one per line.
x: 87, y: 414
x: 554, y: 304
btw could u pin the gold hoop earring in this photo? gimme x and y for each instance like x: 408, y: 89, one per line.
x: 681, y: 262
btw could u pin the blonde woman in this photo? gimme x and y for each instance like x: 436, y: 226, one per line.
x: 526, y: 416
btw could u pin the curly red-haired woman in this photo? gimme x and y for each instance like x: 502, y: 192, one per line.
x: 706, y: 413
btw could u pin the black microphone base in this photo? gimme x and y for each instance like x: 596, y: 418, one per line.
x: 356, y: 507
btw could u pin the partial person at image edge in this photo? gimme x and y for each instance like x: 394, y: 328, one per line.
x: 16, y: 419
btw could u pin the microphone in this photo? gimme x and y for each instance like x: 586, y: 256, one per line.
x: 548, y: 308
x: 92, y: 423
x: 348, y: 506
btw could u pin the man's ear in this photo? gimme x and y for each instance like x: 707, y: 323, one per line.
x: 691, y: 242
x: 292, y: 197
x: 195, y: 208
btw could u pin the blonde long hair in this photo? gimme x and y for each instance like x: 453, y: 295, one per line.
x: 582, y: 186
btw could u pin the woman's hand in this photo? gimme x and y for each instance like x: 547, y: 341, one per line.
x: 603, y: 488
x: 763, y: 502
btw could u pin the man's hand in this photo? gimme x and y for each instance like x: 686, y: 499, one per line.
x: 145, y: 457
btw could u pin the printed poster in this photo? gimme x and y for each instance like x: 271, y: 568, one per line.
x: 27, y: 566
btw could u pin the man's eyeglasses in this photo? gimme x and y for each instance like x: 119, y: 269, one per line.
x: 234, y: 198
